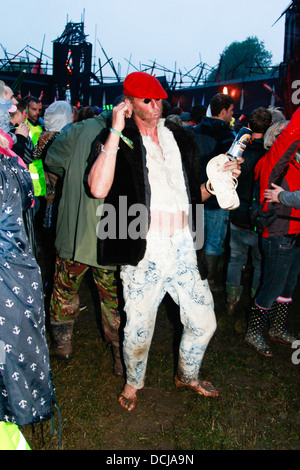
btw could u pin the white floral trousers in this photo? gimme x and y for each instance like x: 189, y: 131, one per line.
x: 169, y: 265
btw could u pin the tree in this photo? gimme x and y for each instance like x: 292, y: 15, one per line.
x: 242, y: 59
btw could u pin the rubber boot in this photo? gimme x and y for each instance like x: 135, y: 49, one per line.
x: 213, y: 261
x: 61, y: 336
x: 257, y: 320
x: 118, y: 366
x: 232, y: 301
x: 253, y: 292
x: 278, y: 320
x: 233, y: 297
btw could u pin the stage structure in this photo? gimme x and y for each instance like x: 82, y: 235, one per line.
x: 72, y: 65
x: 72, y: 77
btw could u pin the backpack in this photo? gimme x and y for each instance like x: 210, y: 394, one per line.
x: 261, y: 219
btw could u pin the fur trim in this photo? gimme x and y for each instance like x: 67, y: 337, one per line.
x: 131, y: 181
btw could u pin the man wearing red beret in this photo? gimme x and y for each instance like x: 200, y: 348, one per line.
x: 155, y: 170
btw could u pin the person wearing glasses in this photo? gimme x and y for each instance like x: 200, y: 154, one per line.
x: 153, y: 166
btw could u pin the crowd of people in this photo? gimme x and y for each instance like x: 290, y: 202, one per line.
x: 99, y: 170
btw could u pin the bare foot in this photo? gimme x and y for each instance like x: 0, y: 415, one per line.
x: 202, y: 388
x: 128, y: 398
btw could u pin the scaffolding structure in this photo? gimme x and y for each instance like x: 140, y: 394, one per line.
x: 70, y: 74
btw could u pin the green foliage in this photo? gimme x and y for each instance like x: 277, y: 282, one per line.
x: 242, y: 59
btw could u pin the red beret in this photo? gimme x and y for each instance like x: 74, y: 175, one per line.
x: 143, y: 85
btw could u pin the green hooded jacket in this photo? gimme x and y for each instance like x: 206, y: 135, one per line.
x: 77, y: 219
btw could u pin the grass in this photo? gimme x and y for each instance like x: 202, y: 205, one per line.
x: 257, y: 408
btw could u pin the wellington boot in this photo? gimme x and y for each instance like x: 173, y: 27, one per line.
x: 214, y: 286
x: 213, y: 262
x: 61, y: 336
x: 278, y: 321
x: 232, y: 301
x: 254, y: 335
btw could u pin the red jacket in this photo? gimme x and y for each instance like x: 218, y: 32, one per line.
x: 268, y: 169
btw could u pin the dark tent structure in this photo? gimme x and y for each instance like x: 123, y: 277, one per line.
x: 290, y: 67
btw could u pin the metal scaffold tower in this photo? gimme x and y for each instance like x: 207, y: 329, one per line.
x: 72, y: 62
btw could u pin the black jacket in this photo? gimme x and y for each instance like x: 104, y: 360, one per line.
x: 131, y: 180
x: 252, y: 154
x: 213, y: 137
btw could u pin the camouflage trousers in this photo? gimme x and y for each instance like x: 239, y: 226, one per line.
x: 64, y: 302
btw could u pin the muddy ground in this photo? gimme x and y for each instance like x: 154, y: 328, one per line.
x: 257, y: 409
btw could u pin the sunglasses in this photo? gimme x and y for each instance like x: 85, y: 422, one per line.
x: 148, y: 100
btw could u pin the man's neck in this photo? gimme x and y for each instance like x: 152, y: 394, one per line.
x: 147, y: 127
x: 34, y: 123
x: 220, y: 119
x: 257, y: 135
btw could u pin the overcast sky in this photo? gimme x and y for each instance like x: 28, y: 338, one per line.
x: 176, y: 33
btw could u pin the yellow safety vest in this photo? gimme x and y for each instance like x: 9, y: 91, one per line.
x: 35, y: 131
x: 11, y: 437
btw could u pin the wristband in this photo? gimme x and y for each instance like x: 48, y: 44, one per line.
x: 125, y: 139
x: 107, y: 152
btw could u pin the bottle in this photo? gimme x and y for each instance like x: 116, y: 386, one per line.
x: 240, y: 143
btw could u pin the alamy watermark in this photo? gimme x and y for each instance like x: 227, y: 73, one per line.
x: 296, y: 93
x: 132, y: 221
x: 296, y: 354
